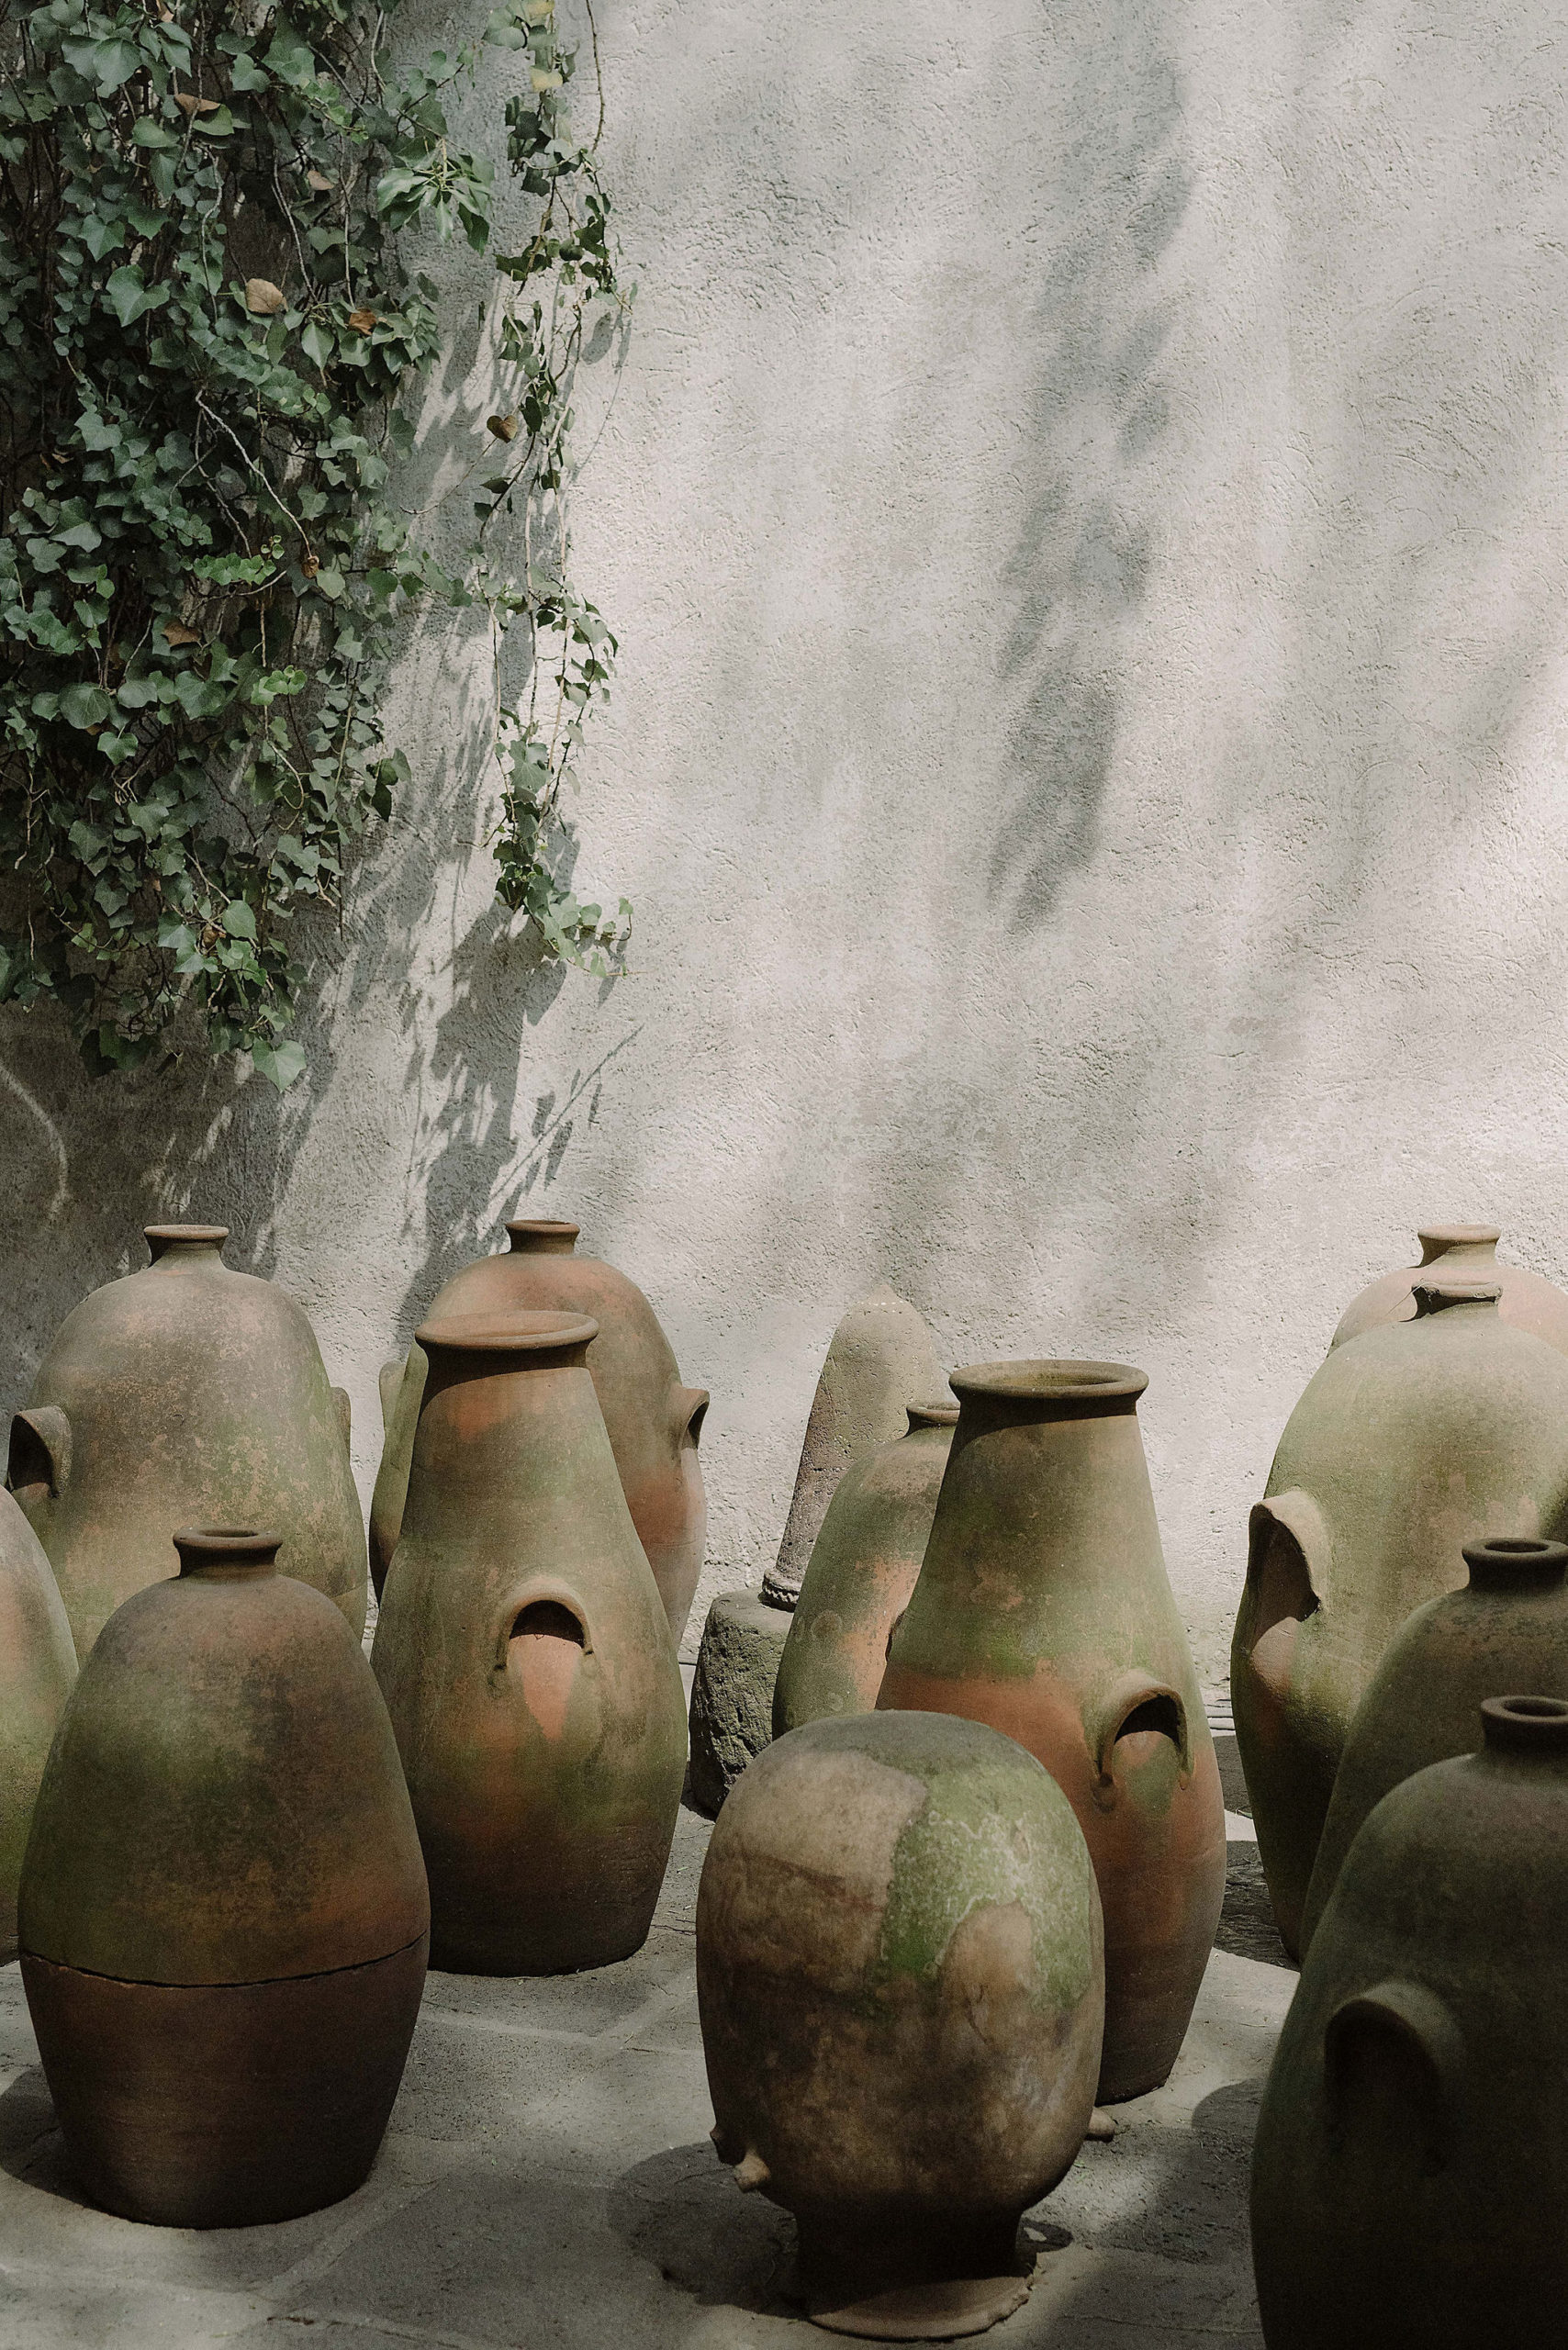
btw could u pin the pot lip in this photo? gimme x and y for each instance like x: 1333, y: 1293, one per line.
x: 1050, y: 1379
x: 525, y: 1331
x: 1526, y: 1725
x: 1439, y: 1237
x: 937, y: 1411
x: 233, y: 1545
x: 1516, y: 1558
x: 521, y: 1229
x: 158, y: 1236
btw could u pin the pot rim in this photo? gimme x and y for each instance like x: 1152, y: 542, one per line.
x: 548, y: 1229
x: 1050, y: 1379
x: 939, y: 1413
x: 1525, y: 1725
x: 159, y: 1236
x: 233, y: 1546
x: 1439, y: 1237
x: 525, y: 1331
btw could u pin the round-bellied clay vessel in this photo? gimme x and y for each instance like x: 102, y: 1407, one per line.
x: 861, y: 1574
x: 899, y: 1973
x: 224, y: 1920
x: 653, y: 1423
x: 1463, y: 1252
x: 1042, y: 1607
x: 1507, y: 1628
x: 1408, y: 1442
x: 37, y: 1671
x: 186, y: 1393
x: 527, y: 1660
x: 1411, y: 2159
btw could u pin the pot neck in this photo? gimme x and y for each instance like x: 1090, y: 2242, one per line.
x: 930, y: 1415
x: 172, y: 1245
x: 226, y: 1553
x: 1531, y: 1730
x: 483, y: 1346
x: 1457, y: 1247
x: 541, y: 1237
x: 1030, y: 1392
x: 1516, y: 1562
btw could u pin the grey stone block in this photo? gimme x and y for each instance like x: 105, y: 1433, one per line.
x: 731, y: 1695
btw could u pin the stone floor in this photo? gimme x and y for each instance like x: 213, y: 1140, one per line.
x: 548, y: 2181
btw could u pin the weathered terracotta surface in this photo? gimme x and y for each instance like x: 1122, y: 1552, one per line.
x: 1043, y: 1608
x: 223, y: 1910
x: 1408, y: 1442
x: 653, y: 1423
x: 37, y: 1671
x: 1507, y: 1628
x: 186, y: 1393
x: 527, y: 1660
x: 899, y: 1970
x: 1411, y: 2160
x: 861, y: 1574
x: 1466, y: 1252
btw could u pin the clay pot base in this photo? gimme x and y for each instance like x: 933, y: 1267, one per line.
x: 944, y: 2313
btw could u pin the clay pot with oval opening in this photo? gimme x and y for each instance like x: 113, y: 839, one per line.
x: 526, y: 1659
x: 184, y: 1394
x: 653, y: 1423
x: 1411, y: 2157
x: 899, y: 1974
x: 1042, y: 1607
x: 223, y: 1910
x: 862, y: 1570
x: 37, y: 1672
x: 1461, y: 1252
x: 1408, y: 1442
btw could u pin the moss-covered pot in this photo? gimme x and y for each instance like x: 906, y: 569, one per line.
x: 37, y: 1671
x: 527, y: 1660
x: 862, y: 1571
x: 899, y: 1970
x: 1465, y: 1252
x: 223, y: 1914
x: 1043, y: 1608
x: 1409, y: 1442
x: 186, y: 1393
x: 653, y: 1423
x: 1411, y: 2161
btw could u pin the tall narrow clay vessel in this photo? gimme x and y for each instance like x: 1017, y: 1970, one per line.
x: 653, y: 1423
x: 527, y: 1660
x: 1507, y: 1628
x: 900, y: 1981
x: 1043, y: 1608
x: 1411, y: 2160
x: 1462, y: 1252
x: 223, y: 1910
x: 862, y: 1571
x: 38, y: 1670
x: 1408, y: 1442
x: 184, y: 1394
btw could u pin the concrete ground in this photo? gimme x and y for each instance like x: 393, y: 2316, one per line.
x: 548, y: 2180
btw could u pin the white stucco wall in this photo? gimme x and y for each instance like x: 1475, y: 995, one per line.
x: 1083, y: 506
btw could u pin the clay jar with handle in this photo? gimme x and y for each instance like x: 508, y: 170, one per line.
x: 527, y: 1660
x: 1461, y: 1252
x: 1411, y: 2160
x: 1408, y: 1442
x: 862, y: 1571
x: 223, y: 1910
x: 653, y: 1423
x: 38, y: 1670
x: 1507, y: 1628
x: 900, y: 1980
x: 1043, y: 1608
x: 184, y: 1394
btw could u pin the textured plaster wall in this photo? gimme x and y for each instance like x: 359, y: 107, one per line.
x: 1083, y: 501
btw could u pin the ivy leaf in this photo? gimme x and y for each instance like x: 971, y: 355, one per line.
x: 244, y: 73
x: 130, y: 297
x: 85, y: 706
x: 238, y: 920
x: 145, y: 132
x: 103, y: 234
x: 316, y: 343
x: 291, y: 58
x: 281, y: 1064
x: 107, y: 63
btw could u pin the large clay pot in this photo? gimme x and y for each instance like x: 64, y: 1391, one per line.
x: 899, y: 1973
x: 38, y: 1670
x: 1043, y: 1608
x: 184, y: 1394
x: 861, y: 1574
x: 223, y: 1911
x: 1411, y: 2161
x: 1463, y: 1252
x: 1407, y: 1443
x: 527, y: 1661
x: 654, y: 1422
x: 1507, y: 1628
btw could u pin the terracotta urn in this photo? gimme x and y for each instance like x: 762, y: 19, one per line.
x: 862, y: 1571
x: 1465, y: 1252
x: 1408, y: 1442
x: 38, y: 1670
x: 527, y: 1661
x: 223, y: 1911
x: 1411, y: 2159
x: 899, y: 1974
x: 184, y: 1394
x: 653, y: 1423
x: 1507, y: 1628
x: 1043, y: 1608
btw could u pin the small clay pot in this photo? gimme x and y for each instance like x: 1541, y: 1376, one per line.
x: 1507, y: 1628
x: 1412, y: 2155
x: 861, y: 1574
x: 899, y: 1973
x: 527, y: 1660
x: 1462, y: 1252
x: 653, y: 1423
x: 223, y: 1911
x: 184, y: 1394
x: 37, y: 1672
x: 1043, y: 1608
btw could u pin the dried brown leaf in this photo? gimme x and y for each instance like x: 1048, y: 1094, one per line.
x: 262, y: 298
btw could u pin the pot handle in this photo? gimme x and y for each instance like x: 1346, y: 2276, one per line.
x: 690, y: 1405
x: 1397, y: 2036
x: 41, y: 1451
x: 1135, y: 1702
x: 554, y: 1608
